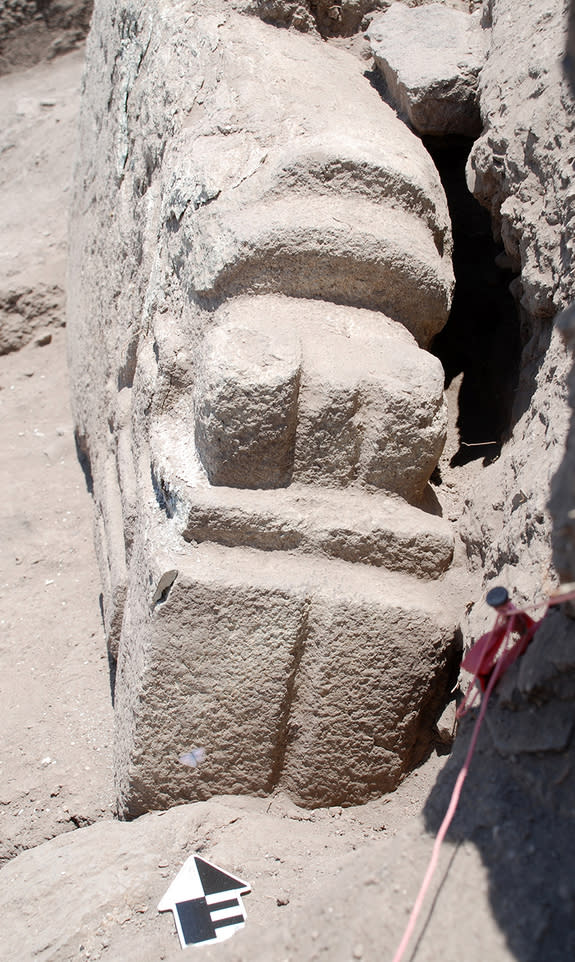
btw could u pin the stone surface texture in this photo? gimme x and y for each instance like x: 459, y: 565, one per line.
x: 331, y: 18
x: 256, y: 269
x: 336, y: 18
x: 505, y: 521
x: 430, y: 57
x: 331, y: 883
x: 521, y: 168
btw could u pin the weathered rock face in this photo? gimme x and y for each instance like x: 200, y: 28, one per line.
x: 256, y: 267
x: 519, y: 168
x: 336, y: 18
x: 430, y: 57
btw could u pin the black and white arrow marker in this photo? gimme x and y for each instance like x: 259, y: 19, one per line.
x: 206, y: 902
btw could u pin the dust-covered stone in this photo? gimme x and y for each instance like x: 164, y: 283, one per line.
x: 431, y: 57
x: 262, y: 265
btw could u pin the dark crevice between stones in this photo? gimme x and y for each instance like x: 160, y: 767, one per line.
x: 83, y: 456
x: 166, y: 500
x: 482, y: 338
x: 112, y: 660
x: 287, y: 729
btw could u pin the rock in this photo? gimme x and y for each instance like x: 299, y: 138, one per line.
x: 332, y: 18
x: 281, y: 669
x: 247, y: 400
x: 376, y: 530
x: 22, y: 312
x: 285, y: 13
x: 508, y: 534
x: 431, y: 57
x: 517, y: 168
x: 447, y: 724
x: 342, y: 18
x: 261, y: 265
x: 283, y: 395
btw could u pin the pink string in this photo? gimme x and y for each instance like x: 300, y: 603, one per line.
x: 448, y: 817
x: 507, y: 613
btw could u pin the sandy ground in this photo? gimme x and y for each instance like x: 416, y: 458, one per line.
x: 55, y: 710
x: 55, y: 715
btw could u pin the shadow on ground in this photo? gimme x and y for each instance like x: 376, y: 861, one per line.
x: 518, y: 802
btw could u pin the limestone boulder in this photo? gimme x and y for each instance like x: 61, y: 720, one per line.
x: 430, y: 57
x: 283, y: 395
x: 257, y: 266
x: 320, y: 676
x: 378, y: 530
x: 247, y: 401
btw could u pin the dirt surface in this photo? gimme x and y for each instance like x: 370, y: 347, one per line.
x: 333, y: 884
x: 55, y: 710
x: 56, y: 716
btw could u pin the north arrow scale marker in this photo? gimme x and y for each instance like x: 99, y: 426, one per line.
x: 206, y: 902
